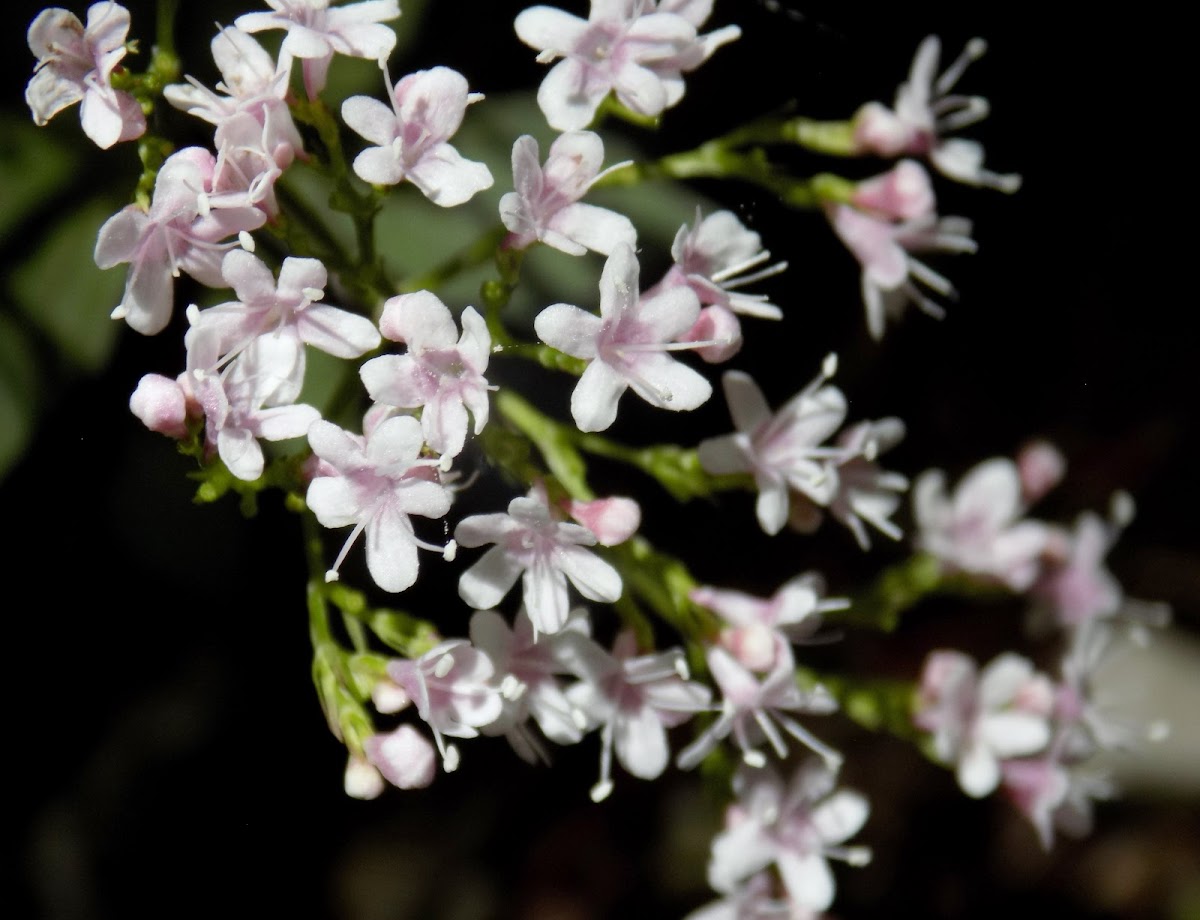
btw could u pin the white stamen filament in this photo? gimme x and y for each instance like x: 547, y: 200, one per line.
x: 332, y: 574
x: 974, y: 50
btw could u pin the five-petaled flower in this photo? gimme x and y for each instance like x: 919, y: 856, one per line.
x: 441, y: 377
x: 626, y: 345
x: 75, y: 64
x: 411, y: 137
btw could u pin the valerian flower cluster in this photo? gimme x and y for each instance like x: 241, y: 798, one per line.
x: 569, y: 626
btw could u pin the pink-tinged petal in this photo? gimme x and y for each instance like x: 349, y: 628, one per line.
x: 640, y: 89
x: 594, y: 399
x: 149, y: 296
x: 747, y: 405
x: 595, y: 228
x: 477, y: 401
x: 371, y: 41
x: 370, y: 118
x: 840, y: 816
x: 771, y: 506
x: 480, y: 529
x: 1018, y: 553
x: 737, y: 853
x: 391, y: 552
x: 592, y: 577
x: 669, y: 384
x: 423, y: 497
x: 929, y: 499
x: 47, y: 94
x: 107, y: 26
x: 335, y: 446
x: 396, y: 442
x: 670, y: 314
x: 240, y: 452
x: 51, y: 27
x: 420, y: 320
x: 736, y: 683
x: 161, y: 405
x: 379, y: 166
x: 484, y: 584
x: 719, y: 325
x: 527, y: 169
x: 723, y: 455
x: 641, y: 743
x: 619, y: 283
x: 612, y: 520
x: 396, y: 380
x: 363, y: 12
x: 101, y: 117
x: 249, y: 277
x: 435, y: 99
x: 546, y: 28
x: 284, y: 422
x: 296, y: 274
x: 1014, y: 734
x: 676, y: 700
x: 405, y: 757
x: 444, y: 422
x: 568, y: 98
x: 989, y: 495
x: 807, y: 878
x: 337, y: 332
x: 333, y: 501
x: 446, y: 178
x: 118, y: 238
x: 569, y: 329
x: 246, y: 67
x: 304, y: 43
x: 573, y: 163
x: 978, y: 771
x: 475, y: 344
x: 544, y: 592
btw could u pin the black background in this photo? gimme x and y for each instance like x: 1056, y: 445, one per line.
x: 167, y: 754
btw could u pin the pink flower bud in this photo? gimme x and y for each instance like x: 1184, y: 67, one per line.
x: 1041, y: 466
x: 719, y: 326
x: 362, y: 781
x: 904, y: 192
x: 404, y: 757
x: 613, y: 520
x: 161, y: 405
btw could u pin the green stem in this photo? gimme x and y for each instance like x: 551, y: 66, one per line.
x: 897, y: 589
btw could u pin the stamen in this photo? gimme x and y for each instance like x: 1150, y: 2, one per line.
x: 451, y: 760
x: 332, y: 574
x: 768, y: 272
x: 246, y: 240
x: 444, y: 665
x: 833, y: 760
x: 974, y: 50
x: 754, y: 759
x: 738, y: 268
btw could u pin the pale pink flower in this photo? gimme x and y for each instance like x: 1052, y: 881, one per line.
x: 426, y: 109
x: 612, y: 520
x: 544, y: 552
x: 753, y: 703
x: 380, y: 480
x: 712, y: 257
x: 782, y: 449
x: 291, y: 307
x: 441, y: 373
x: 451, y: 685
x: 75, y: 64
x: 251, y: 83
x: 904, y: 192
x: 161, y: 404
x: 404, y: 757
x: 890, y: 273
x: 626, y: 345
x: 1055, y: 797
x: 251, y: 398
x: 634, y: 699
x: 361, y: 780
x: 527, y: 668
x: 316, y: 31
x: 979, y: 719
x: 797, y: 828
x: 546, y: 205
x: 980, y: 530
x: 866, y: 493
x: 1041, y: 467
x: 624, y: 46
x: 183, y: 231
x: 753, y: 623
x: 925, y: 111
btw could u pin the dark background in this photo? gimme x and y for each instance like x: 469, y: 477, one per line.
x: 170, y: 757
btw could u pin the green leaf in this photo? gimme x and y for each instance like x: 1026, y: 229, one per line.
x: 32, y: 167
x: 18, y: 392
x: 65, y: 295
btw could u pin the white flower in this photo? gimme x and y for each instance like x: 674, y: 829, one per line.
x: 925, y: 111
x: 545, y: 205
x: 411, y: 135
x: 76, y: 64
x: 442, y: 377
x: 541, y: 549
x: 624, y: 46
x: 980, y: 719
x: 798, y: 828
x: 634, y: 698
x: 782, y: 449
x: 315, y: 32
x: 979, y: 529
x: 374, y: 483
x: 626, y: 345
